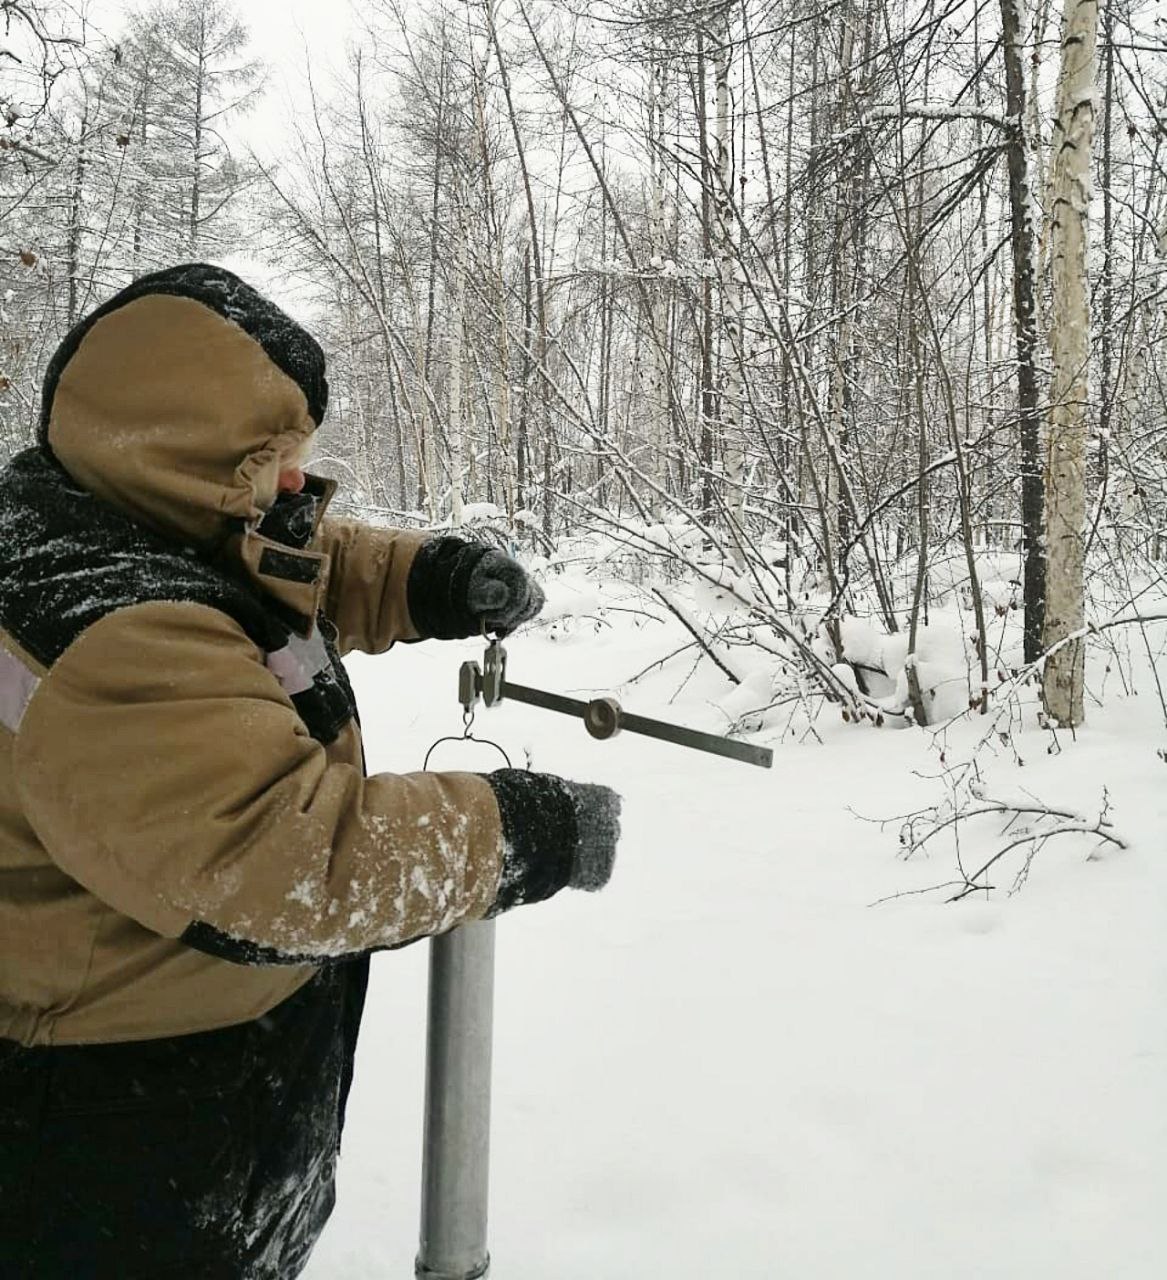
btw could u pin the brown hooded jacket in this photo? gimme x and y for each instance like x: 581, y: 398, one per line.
x: 165, y: 799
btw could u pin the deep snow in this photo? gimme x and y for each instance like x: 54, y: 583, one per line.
x: 729, y: 1063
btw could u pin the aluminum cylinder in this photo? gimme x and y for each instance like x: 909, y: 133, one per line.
x: 456, y: 1141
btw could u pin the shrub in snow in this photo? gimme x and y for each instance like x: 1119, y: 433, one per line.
x: 881, y: 662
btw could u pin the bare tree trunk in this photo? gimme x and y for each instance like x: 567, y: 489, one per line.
x: 522, y: 436
x: 76, y: 203
x: 140, y: 197
x: 845, y: 220
x: 399, y: 439
x: 708, y: 391
x: 1021, y: 208
x: 500, y: 390
x: 658, y: 373
x: 1033, y: 131
x: 502, y: 386
x: 1070, y: 346
x: 197, y: 127
x: 535, y: 259
x: 456, y: 359
x: 372, y: 464
x: 732, y: 444
x: 791, y: 453
x: 426, y: 488
x: 915, y: 692
x: 607, y: 326
x: 1106, y: 334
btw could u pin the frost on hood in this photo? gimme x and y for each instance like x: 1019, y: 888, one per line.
x: 177, y: 400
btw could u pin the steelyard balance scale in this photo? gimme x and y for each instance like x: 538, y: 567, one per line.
x: 456, y: 1137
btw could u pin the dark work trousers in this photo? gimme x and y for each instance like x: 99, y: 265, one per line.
x: 206, y: 1157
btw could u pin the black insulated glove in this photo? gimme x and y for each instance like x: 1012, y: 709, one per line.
x: 597, y: 817
x: 556, y: 835
x: 458, y: 588
x: 501, y: 594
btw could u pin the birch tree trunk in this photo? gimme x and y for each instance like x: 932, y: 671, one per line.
x: 1021, y: 206
x: 1070, y: 345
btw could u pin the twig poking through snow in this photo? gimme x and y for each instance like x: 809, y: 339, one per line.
x: 1028, y: 825
x: 695, y: 633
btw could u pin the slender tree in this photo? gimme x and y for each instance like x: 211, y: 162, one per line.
x: 1062, y: 687
x: 1023, y: 242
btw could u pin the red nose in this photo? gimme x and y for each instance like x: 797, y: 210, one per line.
x: 291, y: 480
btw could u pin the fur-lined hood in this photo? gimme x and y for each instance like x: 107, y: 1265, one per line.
x: 179, y: 400
x: 176, y: 400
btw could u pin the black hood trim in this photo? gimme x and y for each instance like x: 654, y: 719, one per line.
x: 290, y: 347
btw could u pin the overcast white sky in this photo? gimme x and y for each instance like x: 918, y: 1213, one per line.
x: 277, y: 24
x: 279, y: 27
x: 283, y: 33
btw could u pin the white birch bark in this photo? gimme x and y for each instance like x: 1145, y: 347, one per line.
x: 1065, y: 481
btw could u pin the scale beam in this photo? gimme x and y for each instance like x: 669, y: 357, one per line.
x: 602, y: 717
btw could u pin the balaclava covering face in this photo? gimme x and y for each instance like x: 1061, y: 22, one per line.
x: 293, y: 517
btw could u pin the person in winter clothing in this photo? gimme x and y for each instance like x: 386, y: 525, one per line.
x: 194, y: 866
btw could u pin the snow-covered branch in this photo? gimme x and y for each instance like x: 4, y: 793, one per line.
x: 935, y: 111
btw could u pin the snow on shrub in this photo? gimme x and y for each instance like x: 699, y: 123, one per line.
x: 881, y: 661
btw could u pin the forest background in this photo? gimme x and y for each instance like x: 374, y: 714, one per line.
x: 812, y: 357
x: 816, y: 325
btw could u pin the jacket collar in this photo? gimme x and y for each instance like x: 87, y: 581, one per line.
x: 276, y: 555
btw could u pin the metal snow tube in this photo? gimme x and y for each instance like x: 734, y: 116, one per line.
x: 456, y: 1143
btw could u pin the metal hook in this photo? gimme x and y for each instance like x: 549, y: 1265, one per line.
x: 465, y: 737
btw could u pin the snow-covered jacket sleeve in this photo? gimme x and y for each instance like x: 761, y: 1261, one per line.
x: 368, y: 583
x: 164, y: 768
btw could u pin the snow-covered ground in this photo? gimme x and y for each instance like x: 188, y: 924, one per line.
x: 730, y: 1063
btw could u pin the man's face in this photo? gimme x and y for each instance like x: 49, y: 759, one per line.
x: 291, y: 475
x: 291, y: 479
